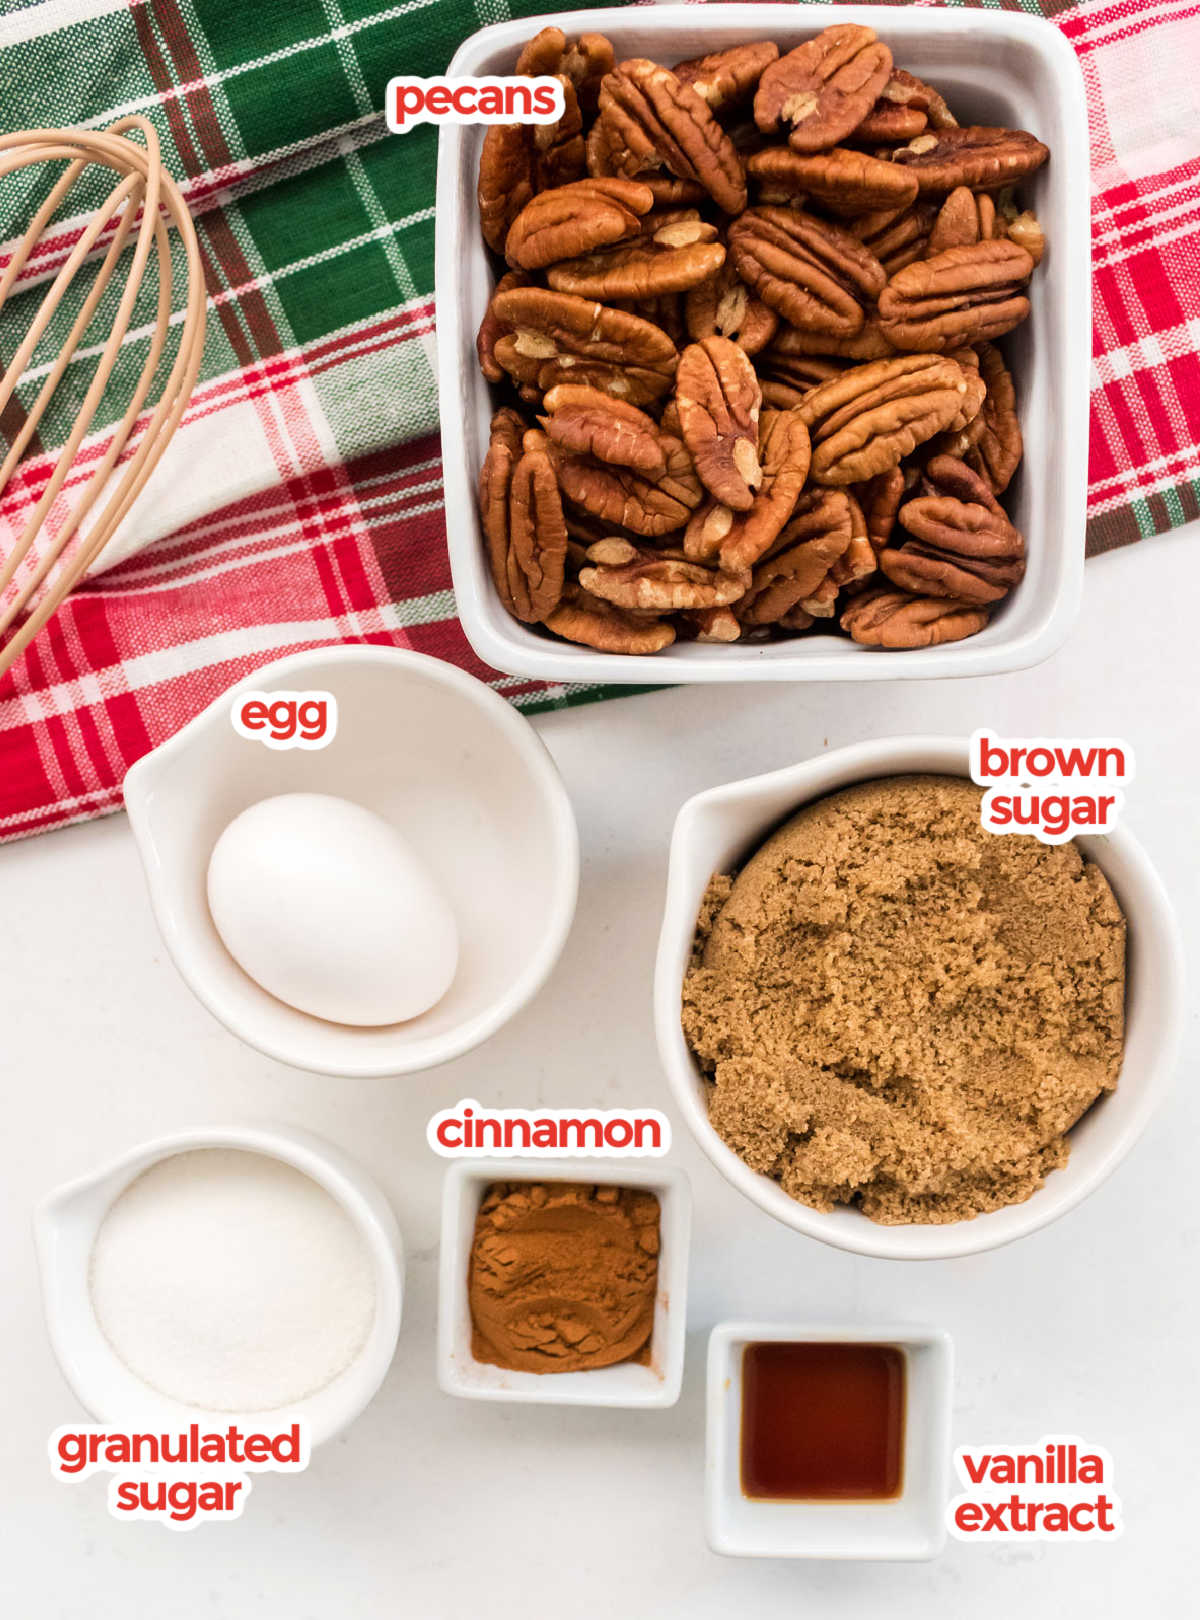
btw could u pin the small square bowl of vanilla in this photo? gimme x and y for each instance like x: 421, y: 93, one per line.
x: 505, y: 1220
x: 827, y: 1441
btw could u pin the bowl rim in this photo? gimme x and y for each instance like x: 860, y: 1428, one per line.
x: 346, y: 1181
x: 143, y: 777
x: 1147, y: 908
x: 515, y: 648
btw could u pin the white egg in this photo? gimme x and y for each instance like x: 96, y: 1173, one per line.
x: 325, y: 905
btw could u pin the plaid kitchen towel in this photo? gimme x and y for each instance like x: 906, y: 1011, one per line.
x: 300, y: 503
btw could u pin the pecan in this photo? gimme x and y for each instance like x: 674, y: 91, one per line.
x: 492, y: 330
x: 890, y: 123
x: 896, y: 236
x: 785, y: 379
x: 714, y: 624
x: 585, y: 63
x: 962, y: 543
x: 964, y: 295
x: 517, y: 161
x: 523, y: 522
x: 572, y: 220
x: 872, y: 416
x: 965, y: 217
x: 794, y: 570
x: 824, y: 88
x: 880, y: 499
x: 651, y: 120
x: 725, y: 78
x: 584, y: 618
x: 554, y: 337
x: 723, y: 306
x: 784, y: 449
x: 718, y: 399
x: 654, y: 583
x: 1024, y: 229
x: 887, y: 618
x: 964, y: 426
x: 619, y: 495
x: 587, y: 422
x: 815, y: 275
x: 905, y: 89
x: 976, y: 156
x: 845, y: 181
x: 997, y: 448
x: 669, y: 256
x: 867, y: 344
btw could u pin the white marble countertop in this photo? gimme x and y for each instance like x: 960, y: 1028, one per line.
x: 431, y: 1508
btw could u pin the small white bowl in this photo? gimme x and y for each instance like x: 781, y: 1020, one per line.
x: 716, y: 831
x: 996, y: 67
x: 910, y: 1527
x: 432, y: 750
x: 65, y: 1228
x: 627, y: 1384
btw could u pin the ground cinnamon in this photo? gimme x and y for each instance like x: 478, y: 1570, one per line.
x: 563, y: 1275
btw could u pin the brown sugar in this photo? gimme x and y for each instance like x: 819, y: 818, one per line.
x: 563, y: 1276
x: 900, y: 1010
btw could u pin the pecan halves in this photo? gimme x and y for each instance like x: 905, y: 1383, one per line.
x: 725, y: 78
x: 784, y: 448
x: 869, y: 418
x: 817, y: 276
x: 843, y: 180
x: 965, y: 217
x: 894, y: 619
x: 880, y: 499
x: 554, y: 337
x: 575, y: 219
x: 668, y: 256
x: 587, y: 422
x: 590, y: 622
x: 785, y: 379
x: 822, y: 91
x: 718, y: 398
x: 964, y: 295
x: 962, y: 543
x: 517, y: 161
x: 650, y: 119
x: 652, y: 583
x: 794, y: 570
x: 978, y: 156
x: 523, y: 522
x: 723, y: 306
x: 619, y: 495
x: 997, y: 448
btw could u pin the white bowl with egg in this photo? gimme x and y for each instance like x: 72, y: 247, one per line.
x: 68, y: 1223
x: 433, y: 792
x: 718, y: 830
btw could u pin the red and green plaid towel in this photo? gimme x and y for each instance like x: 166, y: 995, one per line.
x: 301, y: 501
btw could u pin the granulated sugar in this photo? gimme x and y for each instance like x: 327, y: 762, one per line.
x: 230, y: 1281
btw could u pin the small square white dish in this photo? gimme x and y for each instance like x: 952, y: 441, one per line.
x: 909, y: 1527
x: 630, y: 1383
x: 995, y: 67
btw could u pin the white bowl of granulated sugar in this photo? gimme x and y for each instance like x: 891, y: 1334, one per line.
x: 235, y: 1272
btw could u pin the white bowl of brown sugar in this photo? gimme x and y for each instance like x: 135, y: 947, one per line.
x: 899, y: 1033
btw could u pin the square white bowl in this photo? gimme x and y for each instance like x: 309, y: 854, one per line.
x: 995, y: 67
x: 630, y: 1383
x: 910, y: 1527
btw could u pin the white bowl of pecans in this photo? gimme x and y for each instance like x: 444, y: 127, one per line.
x: 770, y: 360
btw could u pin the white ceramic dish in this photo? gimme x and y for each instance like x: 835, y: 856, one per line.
x: 628, y: 1384
x: 65, y: 1228
x: 995, y: 67
x: 462, y: 775
x: 717, y: 830
x: 912, y: 1526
